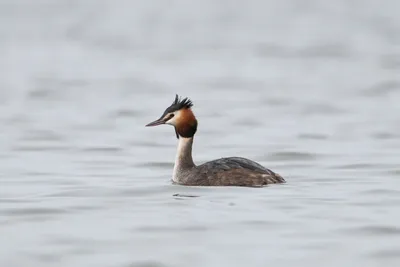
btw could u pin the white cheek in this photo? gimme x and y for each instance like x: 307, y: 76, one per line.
x: 171, y: 121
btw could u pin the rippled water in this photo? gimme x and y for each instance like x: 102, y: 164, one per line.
x: 307, y: 88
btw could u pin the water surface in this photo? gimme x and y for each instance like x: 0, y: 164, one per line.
x: 307, y: 89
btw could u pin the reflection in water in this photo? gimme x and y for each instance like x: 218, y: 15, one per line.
x: 183, y: 196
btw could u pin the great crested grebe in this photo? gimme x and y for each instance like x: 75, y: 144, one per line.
x: 233, y: 171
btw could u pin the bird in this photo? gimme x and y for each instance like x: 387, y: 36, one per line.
x: 229, y: 171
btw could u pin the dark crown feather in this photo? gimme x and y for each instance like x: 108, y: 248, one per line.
x: 180, y: 103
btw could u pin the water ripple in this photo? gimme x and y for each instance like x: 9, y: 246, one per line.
x: 292, y: 156
x: 375, y: 230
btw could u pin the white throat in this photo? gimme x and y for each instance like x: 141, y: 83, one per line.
x: 183, y: 160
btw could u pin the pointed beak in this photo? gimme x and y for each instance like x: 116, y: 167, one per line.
x: 156, y: 122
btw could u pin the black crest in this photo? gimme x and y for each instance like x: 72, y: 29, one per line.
x: 180, y: 103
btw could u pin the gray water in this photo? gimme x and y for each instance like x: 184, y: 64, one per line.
x: 310, y: 89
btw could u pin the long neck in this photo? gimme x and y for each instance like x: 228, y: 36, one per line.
x: 183, y: 160
x: 184, y: 153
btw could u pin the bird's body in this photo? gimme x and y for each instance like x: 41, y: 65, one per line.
x: 231, y: 171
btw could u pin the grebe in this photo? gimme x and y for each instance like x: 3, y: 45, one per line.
x: 233, y: 171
